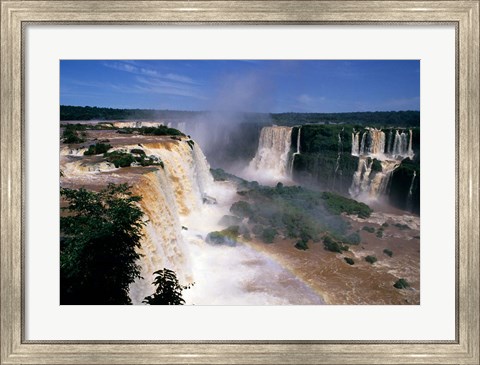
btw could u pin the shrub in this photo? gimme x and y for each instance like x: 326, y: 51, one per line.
x: 348, y: 260
x: 376, y: 165
x: 353, y: 239
x: 368, y: 229
x: 97, y: 149
x: 401, y: 284
x: 161, y: 130
x: 137, y: 151
x: 301, y: 245
x: 268, y: 234
x: 257, y: 229
x: 229, y: 220
x: 125, y: 159
x: 226, y: 237
x: 338, y: 204
x: 70, y: 134
x: 190, y: 143
x: 333, y: 246
x: 241, y: 209
x: 371, y: 259
x: 388, y: 252
x: 119, y: 158
x: 219, y: 174
x: 168, y: 291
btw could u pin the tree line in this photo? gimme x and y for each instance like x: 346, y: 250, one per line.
x: 410, y: 118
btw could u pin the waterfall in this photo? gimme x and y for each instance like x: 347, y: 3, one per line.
x: 390, y: 142
x: 410, y: 143
x: 362, y: 144
x: 402, y: 147
x: 339, y: 154
x: 169, y: 196
x: 389, y: 154
x: 179, y: 220
x: 377, y: 144
x: 163, y: 245
x: 366, y: 186
x: 297, y: 152
x: 374, y: 144
x: 410, y: 192
x: 272, y: 157
x: 182, y: 204
x: 355, y: 143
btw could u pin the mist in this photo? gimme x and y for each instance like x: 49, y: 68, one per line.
x: 228, y: 131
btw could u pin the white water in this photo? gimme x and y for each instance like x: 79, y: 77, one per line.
x: 271, y: 162
x: 173, y: 198
x: 137, y: 124
x: 373, y: 144
x: 372, y: 186
x: 297, y: 152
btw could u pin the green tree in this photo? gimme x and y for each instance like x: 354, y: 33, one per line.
x: 169, y: 291
x: 99, y: 236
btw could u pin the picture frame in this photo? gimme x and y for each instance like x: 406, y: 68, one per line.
x: 15, y: 15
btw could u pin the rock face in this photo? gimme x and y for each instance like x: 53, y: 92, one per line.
x: 324, y: 159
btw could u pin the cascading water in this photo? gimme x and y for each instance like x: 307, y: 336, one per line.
x: 388, y: 152
x: 373, y: 143
x: 271, y: 162
x: 297, y: 152
x: 179, y: 220
x: 355, y: 143
x: 410, y: 192
x: 339, y: 154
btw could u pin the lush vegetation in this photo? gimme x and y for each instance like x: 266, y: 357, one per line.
x: 368, y: 229
x: 160, y: 130
x: 338, y: 204
x: 402, y: 193
x: 333, y: 245
x: 371, y: 259
x: 325, y: 158
x: 401, y: 284
x: 168, y: 291
x: 99, y: 236
x: 371, y: 119
x: 120, y: 158
x: 68, y: 112
x: 388, y: 252
x: 401, y: 118
x: 380, y: 232
x: 226, y: 237
x: 97, y: 149
x: 301, y: 245
x: 401, y: 226
x: 291, y: 212
x: 125, y: 159
x: 74, y: 133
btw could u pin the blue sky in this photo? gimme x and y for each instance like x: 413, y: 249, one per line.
x: 245, y: 85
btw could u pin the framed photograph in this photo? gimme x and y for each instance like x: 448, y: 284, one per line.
x: 246, y: 176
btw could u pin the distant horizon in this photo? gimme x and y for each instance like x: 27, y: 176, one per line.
x: 239, y: 111
x: 250, y: 86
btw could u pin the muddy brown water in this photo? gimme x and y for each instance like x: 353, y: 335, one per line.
x: 362, y: 283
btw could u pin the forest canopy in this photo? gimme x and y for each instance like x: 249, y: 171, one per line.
x: 397, y: 118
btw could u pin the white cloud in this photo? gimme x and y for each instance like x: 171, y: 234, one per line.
x: 133, y: 69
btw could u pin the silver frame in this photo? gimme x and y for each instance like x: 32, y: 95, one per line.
x: 16, y: 350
